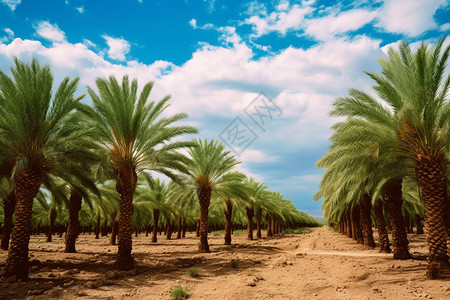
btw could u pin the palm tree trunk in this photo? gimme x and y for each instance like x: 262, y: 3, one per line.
x: 197, y: 228
x: 183, y: 233
x: 419, y: 227
x: 274, y: 227
x: 392, y: 195
x: 155, y: 225
x: 53, y: 214
x: 9, y: 205
x: 350, y: 232
x: 383, y: 238
x: 169, y: 230
x: 180, y: 226
x: 433, y: 182
x: 73, y: 227
x: 204, y: 198
x: 356, y: 223
x: 258, y: 222
x: 97, y: 228
x: 228, y: 222
x: 365, y: 206
x: 26, y: 187
x: 250, y: 212
x: 269, y: 228
x: 114, y: 231
x: 125, y: 186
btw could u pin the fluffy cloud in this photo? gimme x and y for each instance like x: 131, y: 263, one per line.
x: 80, y: 9
x: 50, y: 32
x: 118, y: 47
x: 9, y: 35
x: 12, y: 4
x: 327, y: 27
x: 284, y: 18
x: 411, y: 17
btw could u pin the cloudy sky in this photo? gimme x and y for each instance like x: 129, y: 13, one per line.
x: 260, y: 76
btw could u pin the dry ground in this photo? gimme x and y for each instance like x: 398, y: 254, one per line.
x: 319, y: 264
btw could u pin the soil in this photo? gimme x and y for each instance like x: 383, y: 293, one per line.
x: 318, y: 264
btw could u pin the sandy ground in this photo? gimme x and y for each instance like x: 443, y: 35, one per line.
x: 319, y: 264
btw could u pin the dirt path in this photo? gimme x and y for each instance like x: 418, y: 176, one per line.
x: 319, y: 264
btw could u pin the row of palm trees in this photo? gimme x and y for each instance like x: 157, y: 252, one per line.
x: 390, y: 156
x: 53, y: 146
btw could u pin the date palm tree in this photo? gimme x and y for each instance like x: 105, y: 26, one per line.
x: 41, y: 135
x: 415, y: 86
x: 210, y: 175
x: 135, y: 137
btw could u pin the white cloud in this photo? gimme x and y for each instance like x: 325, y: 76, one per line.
x: 411, y: 17
x: 12, y: 4
x: 80, y: 9
x: 283, y: 19
x: 118, y: 47
x: 9, y: 32
x: 444, y: 27
x: 193, y: 23
x: 50, y: 32
x: 89, y: 43
x: 9, y: 35
x: 254, y: 155
x: 327, y: 27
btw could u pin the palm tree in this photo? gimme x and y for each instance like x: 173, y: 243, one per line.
x: 415, y: 87
x: 209, y: 174
x: 257, y: 195
x: 135, y: 138
x: 41, y: 135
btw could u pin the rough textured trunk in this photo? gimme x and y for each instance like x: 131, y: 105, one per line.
x: 180, y: 226
x: 155, y: 225
x: 26, y: 187
x: 258, y: 223
x: 125, y: 186
x: 433, y: 183
x: 269, y: 228
x: 169, y: 230
x: 356, y: 224
x: 114, y: 232
x: 183, y: 233
x: 349, y: 223
x: 97, y: 227
x: 228, y: 223
x: 419, y: 227
x: 250, y: 211
x: 73, y: 227
x: 9, y: 205
x: 53, y: 214
x: 392, y: 195
x: 204, y: 198
x: 383, y: 238
x: 274, y: 226
x: 197, y: 228
x: 365, y: 206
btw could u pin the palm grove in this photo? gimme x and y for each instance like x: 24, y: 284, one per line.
x: 390, y: 156
x: 70, y: 167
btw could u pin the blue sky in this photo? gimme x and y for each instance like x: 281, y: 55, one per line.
x: 215, y: 57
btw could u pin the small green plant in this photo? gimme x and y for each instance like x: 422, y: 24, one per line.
x: 218, y: 233
x: 239, y: 232
x: 299, y: 230
x: 193, y: 272
x: 179, y: 293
